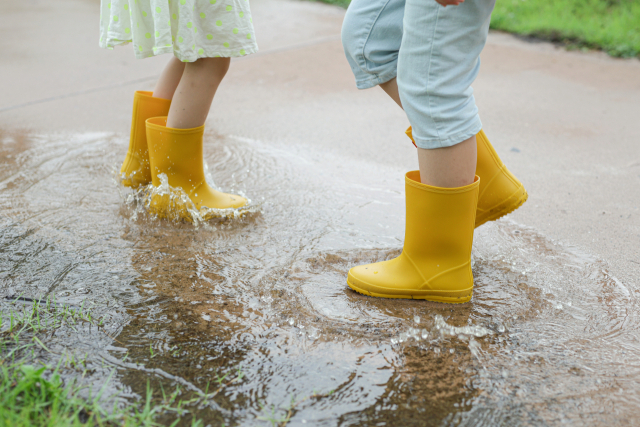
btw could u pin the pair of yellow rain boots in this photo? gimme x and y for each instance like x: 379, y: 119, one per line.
x: 155, y: 149
x: 435, y: 263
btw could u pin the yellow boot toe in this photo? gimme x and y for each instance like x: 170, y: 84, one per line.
x: 390, y: 279
x: 206, y: 197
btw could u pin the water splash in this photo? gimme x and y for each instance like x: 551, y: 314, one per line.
x: 176, y: 206
x: 442, y: 329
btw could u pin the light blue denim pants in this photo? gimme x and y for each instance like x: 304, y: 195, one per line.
x: 433, y: 51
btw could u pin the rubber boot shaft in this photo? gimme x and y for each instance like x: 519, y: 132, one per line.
x: 500, y: 191
x: 135, y: 168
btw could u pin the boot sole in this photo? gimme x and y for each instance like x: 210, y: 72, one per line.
x: 434, y: 298
x: 511, y: 204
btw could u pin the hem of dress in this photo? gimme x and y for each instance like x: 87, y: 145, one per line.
x: 146, y: 53
x: 114, y: 42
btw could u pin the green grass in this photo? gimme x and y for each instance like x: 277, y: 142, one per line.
x: 34, y: 391
x: 610, y: 25
x: 341, y: 3
x: 37, y: 396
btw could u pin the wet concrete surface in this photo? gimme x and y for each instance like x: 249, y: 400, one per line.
x: 550, y: 336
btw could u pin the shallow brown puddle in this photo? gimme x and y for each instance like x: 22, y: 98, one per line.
x: 550, y: 337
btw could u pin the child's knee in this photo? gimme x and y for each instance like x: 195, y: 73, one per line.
x: 404, y: 81
x: 371, y: 37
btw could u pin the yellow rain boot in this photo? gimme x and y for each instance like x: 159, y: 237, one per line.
x: 500, y: 191
x: 135, y: 169
x: 177, y: 153
x: 435, y: 263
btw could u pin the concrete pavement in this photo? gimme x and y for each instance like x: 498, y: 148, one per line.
x: 566, y: 123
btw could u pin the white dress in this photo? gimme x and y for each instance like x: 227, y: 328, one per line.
x: 190, y: 29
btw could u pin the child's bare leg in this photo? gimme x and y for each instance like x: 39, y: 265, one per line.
x: 193, y: 97
x: 391, y: 88
x: 449, y: 167
x: 169, y: 79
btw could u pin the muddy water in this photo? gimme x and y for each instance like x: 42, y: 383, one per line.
x: 550, y: 336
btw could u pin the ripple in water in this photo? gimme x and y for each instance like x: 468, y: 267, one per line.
x: 550, y: 337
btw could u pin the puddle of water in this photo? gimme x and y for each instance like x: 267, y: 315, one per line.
x: 550, y: 336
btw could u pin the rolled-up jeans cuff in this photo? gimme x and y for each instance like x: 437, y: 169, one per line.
x: 429, y: 143
x: 371, y: 81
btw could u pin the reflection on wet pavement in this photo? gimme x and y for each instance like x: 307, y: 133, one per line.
x: 256, y: 310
